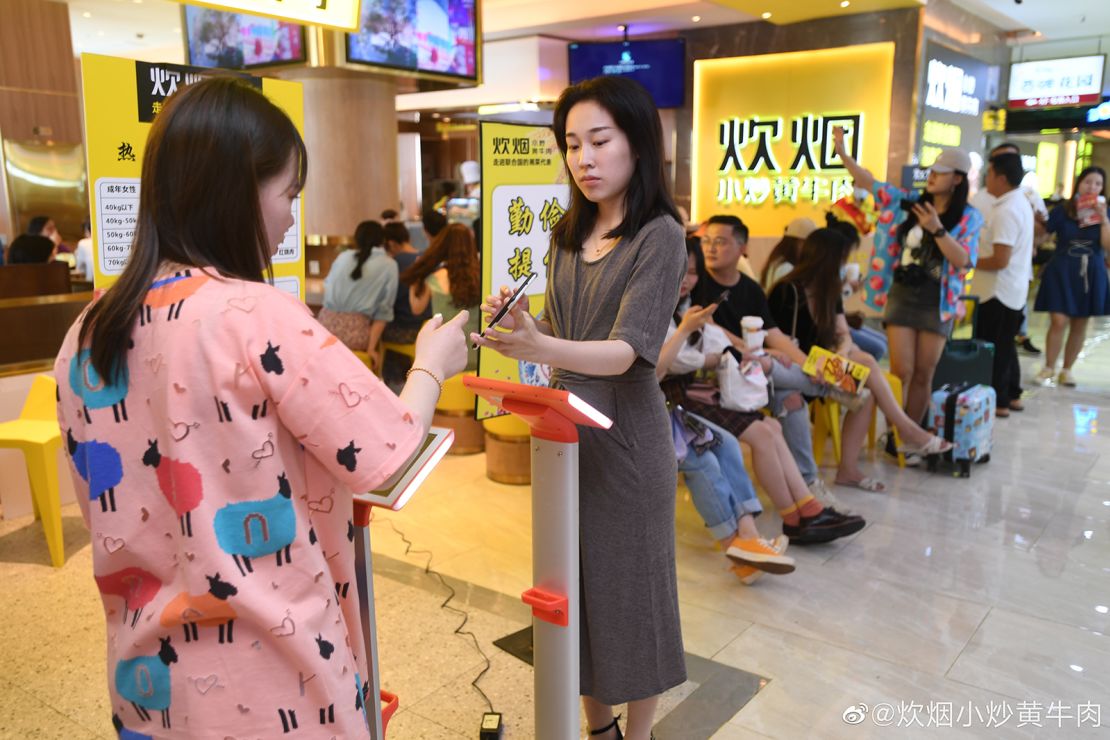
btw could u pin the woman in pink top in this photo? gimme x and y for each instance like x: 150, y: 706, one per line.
x: 222, y: 430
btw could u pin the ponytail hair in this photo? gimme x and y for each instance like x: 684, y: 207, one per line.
x: 368, y: 235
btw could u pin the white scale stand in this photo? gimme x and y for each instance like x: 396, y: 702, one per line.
x: 553, y: 416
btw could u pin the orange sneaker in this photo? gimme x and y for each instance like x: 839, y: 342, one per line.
x: 761, y: 554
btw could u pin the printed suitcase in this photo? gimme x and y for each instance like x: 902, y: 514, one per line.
x: 964, y: 415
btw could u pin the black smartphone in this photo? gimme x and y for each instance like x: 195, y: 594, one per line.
x: 508, y: 305
x: 907, y: 204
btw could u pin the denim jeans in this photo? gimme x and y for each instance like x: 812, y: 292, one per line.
x: 795, y: 424
x: 719, y: 484
x: 871, y: 341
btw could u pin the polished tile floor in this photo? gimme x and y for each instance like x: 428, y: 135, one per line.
x: 979, y: 607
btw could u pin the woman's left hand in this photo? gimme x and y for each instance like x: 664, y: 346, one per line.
x: 927, y: 216
x: 522, y: 343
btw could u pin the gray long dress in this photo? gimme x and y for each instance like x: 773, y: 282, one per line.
x: 631, y: 637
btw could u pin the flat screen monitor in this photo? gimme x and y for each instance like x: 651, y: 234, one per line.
x: 660, y: 66
x: 216, y: 38
x: 434, y: 37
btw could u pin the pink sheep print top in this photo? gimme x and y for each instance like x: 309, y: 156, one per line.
x: 215, y: 475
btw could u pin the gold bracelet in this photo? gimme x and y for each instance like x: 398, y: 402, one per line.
x: 432, y: 375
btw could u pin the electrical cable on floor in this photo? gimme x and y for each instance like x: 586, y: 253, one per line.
x: 409, y: 550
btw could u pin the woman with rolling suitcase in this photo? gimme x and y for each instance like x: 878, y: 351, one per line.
x: 924, y: 247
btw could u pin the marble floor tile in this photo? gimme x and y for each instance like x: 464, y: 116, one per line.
x: 490, y: 568
x: 989, y: 589
x: 706, y: 631
x: 812, y: 684
x: 23, y: 715
x: 408, y: 724
x: 954, y: 566
x: 407, y: 618
x: 1035, y: 659
x: 860, y: 613
x: 736, y: 732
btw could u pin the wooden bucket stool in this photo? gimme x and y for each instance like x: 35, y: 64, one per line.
x: 455, y: 410
x: 508, y: 450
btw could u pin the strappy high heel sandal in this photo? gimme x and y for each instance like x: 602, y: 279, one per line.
x: 611, y: 726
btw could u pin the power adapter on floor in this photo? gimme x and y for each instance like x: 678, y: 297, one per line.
x: 491, y: 726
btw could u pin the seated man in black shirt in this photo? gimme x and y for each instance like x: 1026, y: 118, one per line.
x: 725, y: 241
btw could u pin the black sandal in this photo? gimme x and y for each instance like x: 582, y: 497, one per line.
x: 611, y: 726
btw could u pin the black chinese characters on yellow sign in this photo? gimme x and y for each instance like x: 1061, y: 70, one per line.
x: 763, y: 126
x: 121, y: 99
x: 524, y: 194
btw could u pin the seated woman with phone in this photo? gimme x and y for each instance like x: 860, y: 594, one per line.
x: 808, y: 299
x: 924, y: 248
x: 689, y: 348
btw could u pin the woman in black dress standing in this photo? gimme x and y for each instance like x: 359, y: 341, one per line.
x: 616, y: 262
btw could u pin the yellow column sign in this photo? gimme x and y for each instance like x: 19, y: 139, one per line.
x: 122, y: 98
x: 341, y: 15
x: 524, y: 194
x: 763, y: 125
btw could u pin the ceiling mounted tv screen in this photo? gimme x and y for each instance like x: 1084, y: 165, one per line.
x: 434, y: 37
x: 215, y: 38
x: 660, y: 66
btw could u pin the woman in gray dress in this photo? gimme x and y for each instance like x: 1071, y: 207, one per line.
x: 616, y: 262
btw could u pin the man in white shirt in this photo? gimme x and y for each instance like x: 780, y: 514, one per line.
x: 983, y: 201
x: 1003, y: 272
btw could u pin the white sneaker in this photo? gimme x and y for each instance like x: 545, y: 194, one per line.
x: 1066, y: 378
x: 1045, y: 376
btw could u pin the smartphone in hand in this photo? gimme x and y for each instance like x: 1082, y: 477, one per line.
x: 508, y: 305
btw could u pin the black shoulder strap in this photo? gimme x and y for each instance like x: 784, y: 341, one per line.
x: 797, y: 305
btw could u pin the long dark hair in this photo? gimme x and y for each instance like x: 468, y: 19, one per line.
x: 209, y: 150
x: 787, y: 250
x: 952, y: 214
x: 693, y: 247
x: 817, y: 275
x: 453, y: 249
x: 1069, y: 204
x: 368, y: 234
x: 647, y: 195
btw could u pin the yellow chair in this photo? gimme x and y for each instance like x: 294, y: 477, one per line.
x: 455, y: 410
x: 896, y: 388
x: 825, y: 415
x: 36, y: 433
x: 826, y: 423
x: 365, y: 357
x: 508, y: 450
x: 408, y: 350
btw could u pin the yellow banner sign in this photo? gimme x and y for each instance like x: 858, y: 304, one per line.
x: 339, y: 14
x: 763, y: 146
x: 524, y: 194
x: 121, y: 98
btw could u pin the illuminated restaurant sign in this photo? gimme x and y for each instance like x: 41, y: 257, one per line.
x: 763, y: 131
x: 749, y: 151
x: 339, y: 14
x: 1057, y: 82
x: 956, y: 87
